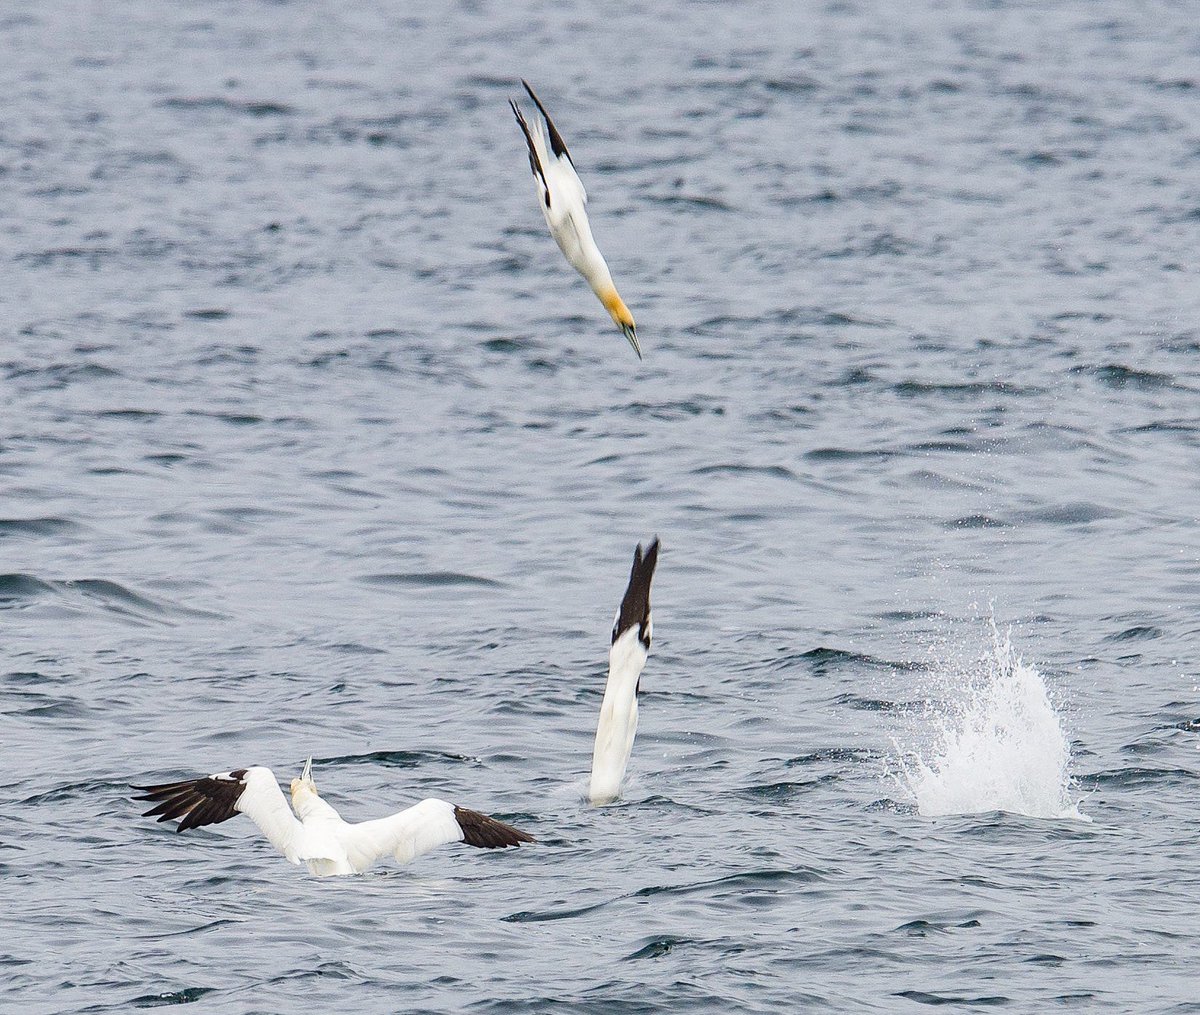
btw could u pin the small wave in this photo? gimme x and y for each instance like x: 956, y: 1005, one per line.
x: 508, y: 344
x: 250, y: 107
x: 1078, y: 513
x: 232, y: 418
x: 1127, y: 777
x: 354, y: 648
x: 846, y: 755
x: 737, y: 469
x: 739, y: 885
x: 331, y: 968
x: 961, y: 389
x: 744, y: 887
x: 786, y: 318
x: 204, y: 928
x: 847, y: 454
x: 487, y: 81
x: 185, y: 996
x: 1183, y: 426
x: 431, y: 579
x: 395, y: 759
x: 544, y: 916
x: 669, y: 411
x: 922, y: 928
x: 113, y: 594
x: 656, y: 947
x: 977, y: 522
x: 1140, y: 632
x: 20, y: 590
x: 783, y: 792
x: 10, y: 527
x: 866, y: 704
x: 823, y: 659
x: 72, y: 790
x: 694, y: 201
x: 795, y: 84
x: 134, y: 415
x: 1001, y: 749
x: 59, y: 709
x: 924, y: 997
x: 908, y: 616
x: 935, y: 447
x: 1116, y: 375
x: 59, y: 375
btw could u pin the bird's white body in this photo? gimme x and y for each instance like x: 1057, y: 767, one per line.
x: 563, y: 201
x: 566, y: 216
x: 631, y: 636
x: 317, y: 836
x: 311, y: 832
x: 618, y: 717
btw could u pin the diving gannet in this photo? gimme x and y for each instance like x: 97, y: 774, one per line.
x: 619, y: 711
x: 562, y: 199
x: 316, y: 835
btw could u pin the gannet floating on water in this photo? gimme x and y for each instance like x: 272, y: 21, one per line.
x: 619, y: 711
x: 562, y: 199
x: 316, y: 835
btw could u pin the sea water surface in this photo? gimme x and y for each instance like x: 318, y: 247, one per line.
x: 312, y: 444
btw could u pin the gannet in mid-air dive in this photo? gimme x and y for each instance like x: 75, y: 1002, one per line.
x: 562, y: 199
x: 316, y: 834
x: 619, y: 711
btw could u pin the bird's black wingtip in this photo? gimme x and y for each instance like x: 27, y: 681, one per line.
x: 486, y: 832
x: 635, y: 606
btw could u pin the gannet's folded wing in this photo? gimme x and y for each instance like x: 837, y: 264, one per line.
x: 635, y: 604
x: 561, y: 168
x: 557, y: 144
x: 423, y: 827
x: 536, y: 153
x: 216, y: 798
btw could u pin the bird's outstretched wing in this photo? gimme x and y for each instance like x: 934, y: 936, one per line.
x: 215, y: 798
x: 423, y: 827
x: 485, y: 832
x: 630, y: 649
x: 196, y: 802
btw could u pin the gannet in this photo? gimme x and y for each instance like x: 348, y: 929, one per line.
x: 619, y: 711
x: 316, y: 835
x: 562, y: 199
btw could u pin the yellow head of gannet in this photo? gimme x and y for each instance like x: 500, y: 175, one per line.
x: 562, y: 199
x: 620, y: 314
x: 304, y: 784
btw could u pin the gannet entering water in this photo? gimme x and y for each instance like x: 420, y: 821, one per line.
x: 619, y: 711
x: 316, y: 835
x: 562, y: 199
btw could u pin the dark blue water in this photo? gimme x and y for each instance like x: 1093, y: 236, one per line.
x: 311, y: 443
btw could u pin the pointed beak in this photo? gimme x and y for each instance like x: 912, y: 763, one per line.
x: 306, y: 775
x: 631, y: 334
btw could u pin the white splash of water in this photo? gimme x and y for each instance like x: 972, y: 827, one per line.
x: 1001, y: 748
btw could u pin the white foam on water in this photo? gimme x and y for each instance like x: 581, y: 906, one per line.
x: 999, y: 746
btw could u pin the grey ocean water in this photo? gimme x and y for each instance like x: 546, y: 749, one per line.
x: 311, y: 443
